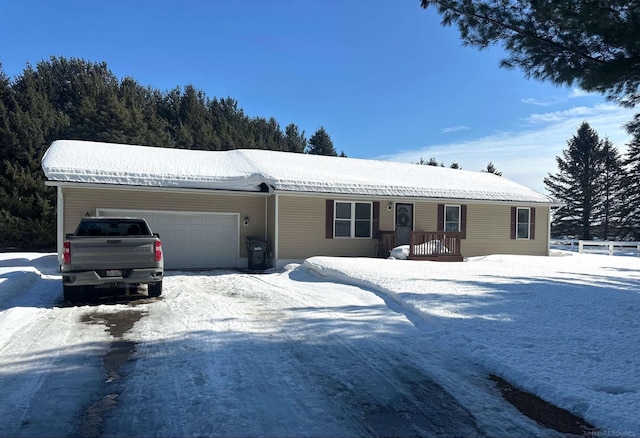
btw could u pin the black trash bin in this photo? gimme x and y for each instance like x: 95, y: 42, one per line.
x: 257, y: 253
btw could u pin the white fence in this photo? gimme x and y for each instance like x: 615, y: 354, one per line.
x: 609, y: 247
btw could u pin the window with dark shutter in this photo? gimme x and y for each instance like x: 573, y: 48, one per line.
x: 349, y: 219
x: 328, y: 232
x: 532, y: 225
x: 463, y: 221
x: 376, y: 220
x: 452, y: 218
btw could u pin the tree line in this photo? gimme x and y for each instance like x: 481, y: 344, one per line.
x: 599, y: 189
x: 491, y: 168
x: 75, y: 99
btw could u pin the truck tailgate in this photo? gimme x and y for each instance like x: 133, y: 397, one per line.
x: 94, y: 253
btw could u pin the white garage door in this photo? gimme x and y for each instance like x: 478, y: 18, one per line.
x: 192, y: 240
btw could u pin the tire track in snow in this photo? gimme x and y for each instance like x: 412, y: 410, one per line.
x: 50, y: 367
x: 392, y: 394
x: 466, y: 382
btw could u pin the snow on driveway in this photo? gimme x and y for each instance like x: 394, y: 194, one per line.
x: 223, y: 353
x: 339, y: 347
x: 251, y: 355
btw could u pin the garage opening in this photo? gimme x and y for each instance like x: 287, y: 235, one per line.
x: 191, y: 240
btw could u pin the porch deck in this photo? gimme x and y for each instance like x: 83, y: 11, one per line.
x: 438, y: 246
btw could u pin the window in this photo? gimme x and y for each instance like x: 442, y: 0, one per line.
x: 522, y: 223
x: 452, y: 218
x: 352, y: 219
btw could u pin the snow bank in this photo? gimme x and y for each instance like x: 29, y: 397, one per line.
x: 564, y: 328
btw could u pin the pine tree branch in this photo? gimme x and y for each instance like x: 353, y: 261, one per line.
x: 533, y: 36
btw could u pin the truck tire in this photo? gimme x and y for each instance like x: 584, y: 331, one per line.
x: 154, y: 289
x: 73, y: 294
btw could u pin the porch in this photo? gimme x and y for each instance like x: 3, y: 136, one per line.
x: 442, y: 246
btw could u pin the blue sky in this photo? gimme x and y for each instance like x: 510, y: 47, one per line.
x: 383, y: 77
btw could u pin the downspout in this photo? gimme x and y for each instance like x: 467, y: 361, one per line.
x: 549, y: 232
x: 275, y: 231
x: 60, y: 224
x: 266, y: 217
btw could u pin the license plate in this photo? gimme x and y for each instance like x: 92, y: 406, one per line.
x: 113, y: 273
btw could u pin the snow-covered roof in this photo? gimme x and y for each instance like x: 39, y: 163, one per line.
x: 247, y: 169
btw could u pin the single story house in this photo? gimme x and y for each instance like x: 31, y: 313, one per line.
x: 204, y: 204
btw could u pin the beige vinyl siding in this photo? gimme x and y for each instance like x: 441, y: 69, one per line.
x: 489, y: 231
x: 80, y: 200
x: 426, y: 216
x: 301, y: 229
x: 488, y: 228
x: 387, y: 216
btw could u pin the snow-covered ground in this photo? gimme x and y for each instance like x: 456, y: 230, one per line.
x: 334, y: 346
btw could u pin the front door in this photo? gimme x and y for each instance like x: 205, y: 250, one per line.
x: 404, y: 223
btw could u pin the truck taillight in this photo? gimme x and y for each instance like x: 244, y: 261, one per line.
x: 66, y: 255
x: 158, y: 250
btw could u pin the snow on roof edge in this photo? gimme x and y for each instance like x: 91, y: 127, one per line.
x: 247, y: 169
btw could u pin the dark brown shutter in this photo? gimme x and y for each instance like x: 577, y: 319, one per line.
x: 440, y: 226
x: 532, y: 224
x: 376, y: 220
x: 513, y: 222
x: 328, y: 233
x: 463, y: 221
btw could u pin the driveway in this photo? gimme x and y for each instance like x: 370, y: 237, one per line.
x: 229, y: 354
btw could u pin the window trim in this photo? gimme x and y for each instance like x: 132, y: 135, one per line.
x: 444, y: 218
x: 463, y: 220
x: 528, y: 223
x: 352, y: 219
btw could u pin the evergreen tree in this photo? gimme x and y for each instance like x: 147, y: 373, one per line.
x: 320, y: 144
x: 455, y: 165
x: 590, y: 43
x: 77, y: 99
x: 432, y: 162
x: 610, y: 213
x: 143, y: 122
x: 577, y: 185
x: 491, y: 168
x: 194, y: 130
x: 631, y: 183
x: 266, y: 134
x: 294, y: 140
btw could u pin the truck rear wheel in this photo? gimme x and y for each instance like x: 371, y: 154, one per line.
x: 154, y: 289
x: 73, y: 294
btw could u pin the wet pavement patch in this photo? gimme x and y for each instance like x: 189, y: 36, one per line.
x: 115, y: 363
x: 543, y: 412
x: 413, y: 406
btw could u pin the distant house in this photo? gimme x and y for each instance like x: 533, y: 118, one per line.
x: 205, y: 204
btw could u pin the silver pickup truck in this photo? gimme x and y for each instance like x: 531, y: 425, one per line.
x: 109, y: 252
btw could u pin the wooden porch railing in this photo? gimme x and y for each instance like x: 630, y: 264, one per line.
x: 430, y: 245
x: 387, y: 243
x: 425, y: 245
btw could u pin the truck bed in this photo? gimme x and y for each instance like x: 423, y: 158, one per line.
x: 124, y: 252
